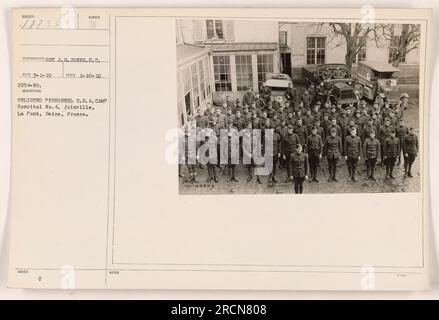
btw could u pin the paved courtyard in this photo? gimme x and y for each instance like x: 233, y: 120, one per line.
x: 343, y: 186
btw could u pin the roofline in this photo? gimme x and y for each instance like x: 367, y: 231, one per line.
x: 374, y: 64
x: 185, y: 61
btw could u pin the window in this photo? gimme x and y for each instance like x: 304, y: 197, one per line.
x: 195, y: 89
x: 221, y: 68
x: 244, y: 74
x: 283, y: 38
x: 207, y: 73
x: 361, y: 55
x: 393, y: 50
x: 202, y: 80
x: 180, y: 98
x: 214, y: 29
x: 265, y: 64
x: 187, y: 90
x: 315, y: 50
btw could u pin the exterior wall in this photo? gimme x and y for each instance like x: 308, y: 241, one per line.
x: 336, y: 50
x: 185, y: 75
x: 256, y: 31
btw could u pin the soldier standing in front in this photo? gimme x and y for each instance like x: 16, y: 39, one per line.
x: 410, y: 147
x: 352, y: 151
x: 299, y: 166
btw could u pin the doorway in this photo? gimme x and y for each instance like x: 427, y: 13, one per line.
x: 286, y: 63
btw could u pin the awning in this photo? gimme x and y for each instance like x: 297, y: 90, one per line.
x: 187, y: 53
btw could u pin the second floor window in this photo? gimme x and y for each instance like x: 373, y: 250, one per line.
x: 283, y: 38
x: 315, y: 50
x: 361, y: 55
x: 393, y: 50
x: 214, y: 29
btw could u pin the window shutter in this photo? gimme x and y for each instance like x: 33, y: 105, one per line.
x: 229, y: 30
x: 198, y: 30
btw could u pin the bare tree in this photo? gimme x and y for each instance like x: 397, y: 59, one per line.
x: 355, y: 36
x: 403, y: 43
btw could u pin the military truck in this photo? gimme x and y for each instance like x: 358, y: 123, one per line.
x: 377, y: 77
x: 333, y: 72
x: 278, y: 83
x: 342, y: 93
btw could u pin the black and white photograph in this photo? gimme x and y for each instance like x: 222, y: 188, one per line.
x: 278, y: 107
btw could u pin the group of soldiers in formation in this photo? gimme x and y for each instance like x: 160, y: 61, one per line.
x: 306, y: 128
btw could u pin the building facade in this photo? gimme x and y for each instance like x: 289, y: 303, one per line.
x: 241, y: 51
x: 194, y: 80
x: 311, y: 44
x: 220, y: 57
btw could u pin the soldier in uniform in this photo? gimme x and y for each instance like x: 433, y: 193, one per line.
x: 386, y: 110
x: 237, y: 106
x: 212, y: 157
x: 393, y: 119
x: 312, y: 92
x: 352, y: 152
x: 372, y: 153
x: 299, y: 168
x: 325, y: 123
x: 230, y: 116
x: 328, y: 89
x: 326, y: 74
x: 277, y: 151
x: 239, y: 122
x: 401, y: 132
x: 404, y: 99
x: 201, y: 120
x: 315, y: 151
x: 291, y: 120
x: 343, y: 121
x: 308, y: 120
x: 230, y: 104
x: 270, y: 110
x: 256, y: 122
x: 367, y: 129
x: 264, y: 92
x: 333, y: 150
x: 190, y: 154
x: 249, y: 97
x: 247, y: 149
x: 290, y: 94
x: 391, y: 151
x: 410, y: 147
x: 377, y: 122
x: 281, y: 114
x: 334, y: 125
x: 383, y: 134
x: 275, y: 121
x: 258, y: 102
x: 320, y: 92
x: 317, y: 114
x: 379, y: 100
x: 288, y: 147
x: 307, y: 99
x: 247, y: 114
x: 254, y: 109
x: 302, y: 133
x: 320, y: 130
x: 283, y: 131
x: 221, y: 119
x: 351, y: 125
x: 231, y: 151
